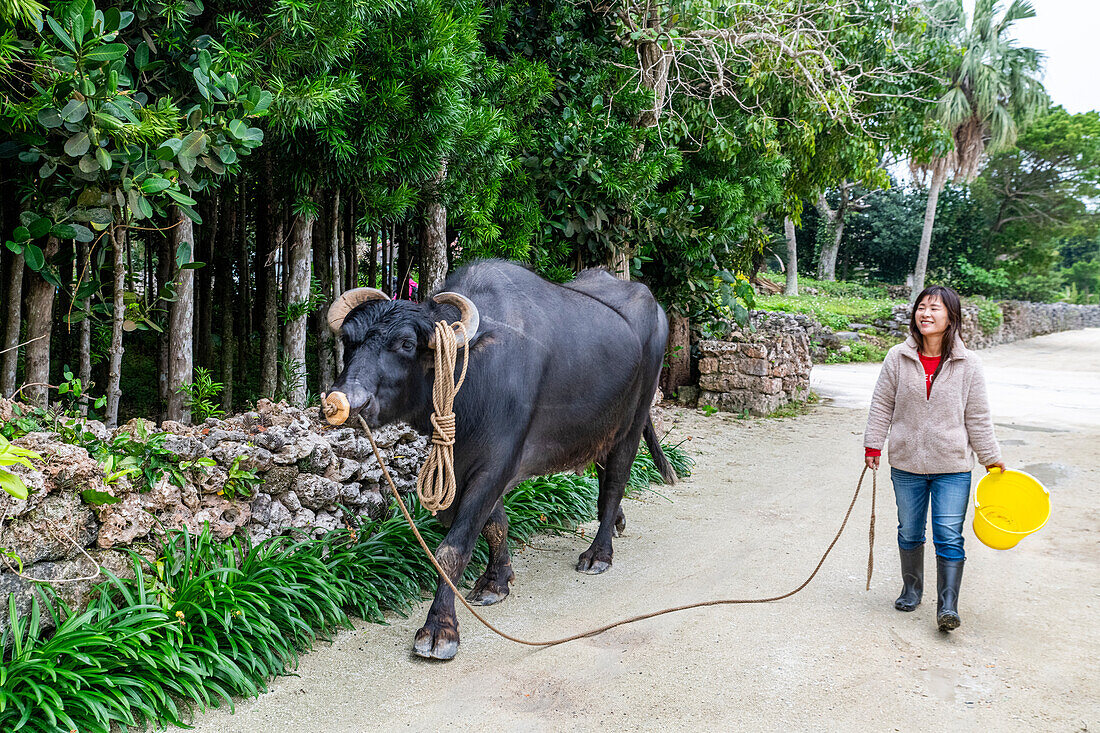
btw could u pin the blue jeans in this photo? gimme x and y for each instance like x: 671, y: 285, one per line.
x: 950, y: 495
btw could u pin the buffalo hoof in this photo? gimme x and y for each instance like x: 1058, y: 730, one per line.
x: 620, y: 524
x: 436, y: 641
x: 494, y: 588
x: 590, y: 564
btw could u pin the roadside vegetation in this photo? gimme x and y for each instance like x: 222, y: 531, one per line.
x: 205, y: 622
x: 835, y: 304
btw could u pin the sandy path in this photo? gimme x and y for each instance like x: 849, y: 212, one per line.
x: 766, y: 497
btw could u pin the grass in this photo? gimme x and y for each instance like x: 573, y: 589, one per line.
x: 837, y: 306
x: 860, y: 351
x: 206, y: 621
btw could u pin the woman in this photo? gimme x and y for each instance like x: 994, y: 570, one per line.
x: 931, y: 399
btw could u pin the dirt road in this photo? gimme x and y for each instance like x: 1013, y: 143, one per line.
x: 766, y: 497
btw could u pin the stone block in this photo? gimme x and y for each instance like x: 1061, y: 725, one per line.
x: 41, y: 534
x: 280, y: 479
x: 755, y: 367
x: 708, y: 365
x: 316, y: 492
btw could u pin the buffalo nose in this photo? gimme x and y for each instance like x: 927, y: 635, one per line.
x: 368, y: 403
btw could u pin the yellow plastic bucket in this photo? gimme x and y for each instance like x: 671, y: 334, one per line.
x: 1008, y: 506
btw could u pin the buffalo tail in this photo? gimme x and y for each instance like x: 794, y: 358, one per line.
x: 659, y: 460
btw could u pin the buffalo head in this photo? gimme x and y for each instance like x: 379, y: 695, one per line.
x: 387, y: 350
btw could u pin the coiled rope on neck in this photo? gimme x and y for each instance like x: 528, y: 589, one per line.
x: 435, y: 484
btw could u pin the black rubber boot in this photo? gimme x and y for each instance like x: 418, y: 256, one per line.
x: 912, y: 578
x: 949, y: 575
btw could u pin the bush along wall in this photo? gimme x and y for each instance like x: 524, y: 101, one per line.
x: 186, y: 620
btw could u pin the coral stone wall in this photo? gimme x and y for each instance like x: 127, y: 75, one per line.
x: 1022, y: 320
x: 313, y: 476
x: 758, y: 371
x: 1027, y: 320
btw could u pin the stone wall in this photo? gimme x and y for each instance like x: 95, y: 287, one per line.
x: 311, y: 472
x: 756, y: 370
x: 1022, y: 320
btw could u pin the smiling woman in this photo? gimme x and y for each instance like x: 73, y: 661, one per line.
x: 931, y: 399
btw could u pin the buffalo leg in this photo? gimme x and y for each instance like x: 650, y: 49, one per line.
x: 438, y: 637
x: 492, y: 586
x: 613, y: 476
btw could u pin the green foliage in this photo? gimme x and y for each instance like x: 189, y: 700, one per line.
x: 201, y: 394
x: 292, y: 376
x: 11, y: 455
x: 836, y: 312
x: 140, y: 453
x: 109, y: 142
x: 1083, y: 282
x: 205, y: 622
x: 241, y: 482
x: 317, y: 298
x: 990, y: 315
x: 860, y: 351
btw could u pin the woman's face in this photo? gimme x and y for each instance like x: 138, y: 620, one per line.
x: 931, y: 316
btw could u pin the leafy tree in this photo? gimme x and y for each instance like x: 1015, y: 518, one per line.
x: 993, y: 90
x: 1042, y: 188
x: 110, y: 147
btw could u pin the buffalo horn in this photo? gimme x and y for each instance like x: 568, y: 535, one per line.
x: 347, y: 302
x: 469, y: 315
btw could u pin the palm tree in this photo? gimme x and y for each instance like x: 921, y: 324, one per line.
x: 993, y: 90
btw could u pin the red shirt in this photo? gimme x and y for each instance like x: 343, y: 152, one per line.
x: 930, y: 364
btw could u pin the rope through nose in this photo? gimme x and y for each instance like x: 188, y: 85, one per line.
x: 435, y: 484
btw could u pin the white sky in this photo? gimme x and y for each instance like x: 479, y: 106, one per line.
x: 1067, y: 32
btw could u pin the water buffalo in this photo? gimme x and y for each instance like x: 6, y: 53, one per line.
x: 559, y: 376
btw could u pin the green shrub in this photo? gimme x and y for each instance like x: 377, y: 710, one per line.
x: 990, y: 315
x: 861, y: 351
x: 199, y: 396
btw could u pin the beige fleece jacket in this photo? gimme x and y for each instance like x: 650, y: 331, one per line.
x: 937, y: 433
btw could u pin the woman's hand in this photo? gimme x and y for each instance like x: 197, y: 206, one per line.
x: 998, y: 464
x: 872, y: 462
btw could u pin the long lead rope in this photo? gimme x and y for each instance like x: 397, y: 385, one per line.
x: 641, y: 617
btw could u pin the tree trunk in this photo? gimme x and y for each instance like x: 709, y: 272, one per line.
x: 118, y: 315
x: 939, y: 177
x: 269, y: 338
x: 229, y: 351
x: 322, y: 260
x: 387, y: 260
x: 826, y: 264
x: 242, y: 323
x: 224, y: 259
x: 401, y: 272
x: 9, y: 367
x: 435, y: 238
x: 351, y: 255
x: 678, y: 354
x: 294, y: 334
x: 166, y: 266
x: 39, y: 325
x: 340, y: 240
x: 792, y: 257
x: 206, y: 283
x: 181, y: 320
x: 85, y: 305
